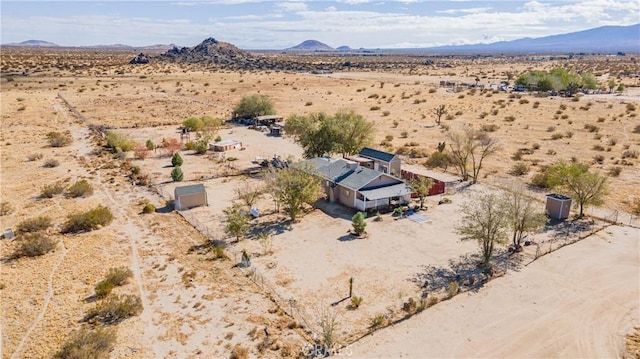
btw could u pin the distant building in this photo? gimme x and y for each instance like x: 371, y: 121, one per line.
x: 226, y: 145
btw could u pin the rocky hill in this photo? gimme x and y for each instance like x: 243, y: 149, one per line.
x: 311, y: 45
x: 226, y: 55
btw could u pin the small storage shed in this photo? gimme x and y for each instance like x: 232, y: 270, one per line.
x: 558, y: 206
x: 225, y: 145
x: 190, y: 196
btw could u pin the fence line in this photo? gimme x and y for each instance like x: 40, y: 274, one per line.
x: 289, y: 306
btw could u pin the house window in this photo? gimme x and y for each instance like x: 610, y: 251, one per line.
x: 346, y: 192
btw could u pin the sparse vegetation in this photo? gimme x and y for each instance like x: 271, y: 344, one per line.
x: 50, y: 190
x: 93, y: 343
x: 114, y: 309
x: 34, y: 244
x: 57, y: 139
x: 81, y: 188
x: 176, y: 174
x: 116, y: 140
x: 51, y: 163
x: 89, y: 220
x: 34, y: 224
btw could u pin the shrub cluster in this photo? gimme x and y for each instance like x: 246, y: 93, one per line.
x: 57, y: 139
x: 89, y: 220
x: 35, y: 224
x: 115, y: 277
x: 87, y: 343
x: 120, y: 141
x: 114, y: 309
x: 33, y: 245
x: 81, y: 188
x: 50, y: 190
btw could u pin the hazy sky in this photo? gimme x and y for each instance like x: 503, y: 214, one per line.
x: 259, y: 24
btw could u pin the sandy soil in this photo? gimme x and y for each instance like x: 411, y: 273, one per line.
x: 566, y: 304
x: 196, y: 306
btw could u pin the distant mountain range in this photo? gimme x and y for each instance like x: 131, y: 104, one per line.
x: 605, y: 39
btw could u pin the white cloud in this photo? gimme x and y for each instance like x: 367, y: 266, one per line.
x: 292, y: 6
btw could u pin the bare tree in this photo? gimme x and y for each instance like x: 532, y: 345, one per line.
x: 482, y: 146
x: 460, y: 148
x: 249, y: 193
x: 439, y: 112
x: 485, y: 221
x: 524, y: 213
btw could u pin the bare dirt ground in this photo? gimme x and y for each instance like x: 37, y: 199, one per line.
x: 195, y: 306
x: 566, y: 304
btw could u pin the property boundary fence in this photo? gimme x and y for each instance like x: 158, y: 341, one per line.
x: 290, y: 306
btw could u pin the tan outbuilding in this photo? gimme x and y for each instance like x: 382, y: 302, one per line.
x: 190, y: 196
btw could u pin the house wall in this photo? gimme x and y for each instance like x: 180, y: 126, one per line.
x: 394, y: 166
x: 191, y: 200
x: 347, y: 198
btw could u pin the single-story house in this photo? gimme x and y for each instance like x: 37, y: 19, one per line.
x: 377, y: 160
x: 190, y: 196
x: 226, y: 145
x: 358, y: 187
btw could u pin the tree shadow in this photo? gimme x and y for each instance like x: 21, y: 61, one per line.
x: 208, y: 245
x: 334, y: 210
x: 348, y: 237
x: 466, y: 270
x: 274, y: 226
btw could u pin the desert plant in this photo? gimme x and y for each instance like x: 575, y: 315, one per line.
x: 89, y: 220
x: 453, y: 289
x: 254, y: 105
x: 35, y: 224
x: 103, y: 289
x: 591, y: 128
x: 51, y: 163
x: 50, y: 190
x: 6, y: 208
x: 33, y: 245
x: 148, y: 208
x: 150, y: 145
x: 374, y: 108
x: 35, y: 156
x: 404, y: 134
x: 57, y: 139
x: 377, y: 321
x: 356, y: 302
x: 176, y: 174
x: 378, y: 217
x: 114, y: 309
x: 119, y: 276
x: 87, y: 343
x: 239, y: 352
x: 410, y: 306
x: 141, y: 151
x: 630, y: 154
x: 519, y: 169
x: 117, y: 140
x: 81, y: 188
x: 359, y: 224
x: 614, y: 171
x: 176, y: 160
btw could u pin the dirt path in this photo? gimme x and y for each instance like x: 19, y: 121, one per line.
x: 45, y: 306
x: 577, y: 302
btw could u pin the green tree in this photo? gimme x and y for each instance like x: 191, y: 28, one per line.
x: 251, y: 106
x: 236, y: 221
x: 578, y: 182
x: 176, y: 160
x: 315, y: 133
x: 150, y: 145
x: 176, y: 174
x: 484, y: 220
x: 293, y: 187
x: 358, y: 223
x: 421, y: 185
x: 523, y: 213
x: 353, y: 132
x: 438, y: 160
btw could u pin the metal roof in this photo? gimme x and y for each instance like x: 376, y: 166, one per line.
x: 377, y: 154
x: 191, y: 189
x: 359, y: 177
x: 396, y: 190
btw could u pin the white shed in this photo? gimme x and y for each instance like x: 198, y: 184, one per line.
x: 190, y: 196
